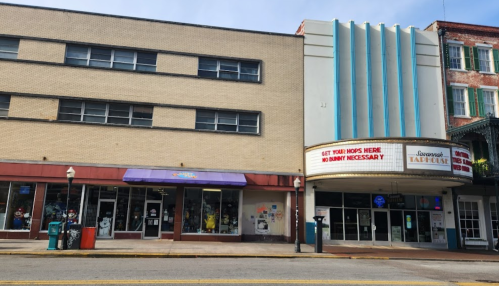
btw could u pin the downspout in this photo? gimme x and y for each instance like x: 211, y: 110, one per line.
x: 441, y: 34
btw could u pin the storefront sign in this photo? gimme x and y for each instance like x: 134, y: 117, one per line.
x: 185, y: 175
x: 373, y: 157
x: 461, y: 162
x: 24, y: 190
x: 395, y: 198
x: 428, y: 158
x: 379, y: 201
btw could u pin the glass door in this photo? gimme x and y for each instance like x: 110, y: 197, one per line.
x: 152, y: 219
x: 380, y: 225
x: 105, y: 219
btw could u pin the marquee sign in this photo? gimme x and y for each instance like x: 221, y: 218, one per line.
x: 461, y: 162
x: 428, y: 158
x: 368, y: 157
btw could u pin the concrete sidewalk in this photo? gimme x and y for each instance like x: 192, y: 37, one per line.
x: 190, y: 249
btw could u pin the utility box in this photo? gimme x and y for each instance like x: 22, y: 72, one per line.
x: 74, y: 236
x: 55, y: 229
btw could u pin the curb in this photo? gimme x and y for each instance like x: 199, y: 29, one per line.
x: 199, y: 255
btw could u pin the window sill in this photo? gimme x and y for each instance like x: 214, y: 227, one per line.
x: 462, y: 116
x: 491, y: 73
x: 458, y: 70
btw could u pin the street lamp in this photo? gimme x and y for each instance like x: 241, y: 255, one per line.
x: 297, y: 241
x: 70, y: 173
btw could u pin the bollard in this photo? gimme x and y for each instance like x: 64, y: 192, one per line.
x: 318, y: 233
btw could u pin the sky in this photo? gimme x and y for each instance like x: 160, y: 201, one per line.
x: 285, y: 16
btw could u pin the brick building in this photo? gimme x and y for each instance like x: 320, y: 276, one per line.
x: 470, y: 86
x: 174, y: 130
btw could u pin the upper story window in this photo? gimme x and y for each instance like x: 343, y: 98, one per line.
x: 455, y: 57
x: 4, y: 105
x: 484, y: 59
x: 489, y: 102
x: 227, y: 121
x: 109, y: 113
x: 110, y: 58
x: 459, y: 101
x: 9, y: 48
x: 227, y: 69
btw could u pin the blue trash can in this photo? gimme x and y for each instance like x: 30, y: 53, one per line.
x: 55, y: 229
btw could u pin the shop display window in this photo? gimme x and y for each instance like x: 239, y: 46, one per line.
x: 108, y: 192
x: 365, y: 230
x: 397, y: 226
x: 336, y: 219
x: 122, y: 209
x: 154, y: 194
x: 328, y: 199
x: 410, y: 226
x: 351, y: 224
x: 169, y: 202
x: 210, y: 211
x: 407, y: 202
x: 55, y: 204
x: 424, y: 226
x: 4, y: 195
x: 19, y: 206
x: 92, y: 202
x: 353, y: 200
x: 433, y: 203
x: 137, y: 201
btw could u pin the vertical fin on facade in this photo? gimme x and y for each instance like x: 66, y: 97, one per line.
x: 352, y: 79
x: 369, y: 83
x: 415, y: 91
x: 386, y: 114
x: 400, y: 81
x: 336, y: 67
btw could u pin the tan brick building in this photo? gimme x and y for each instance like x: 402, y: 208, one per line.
x: 217, y: 113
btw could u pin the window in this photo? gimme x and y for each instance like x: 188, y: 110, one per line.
x: 455, y: 57
x: 489, y: 102
x: 227, y: 69
x: 4, y: 105
x: 110, y: 58
x: 210, y: 211
x: 227, y: 121
x: 9, y: 48
x: 495, y: 219
x: 16, y: 204
x: 108, y: 113
x: 459, y: 101
x: 55, y: 203
x: 469, y: 219
x: 484, y: 59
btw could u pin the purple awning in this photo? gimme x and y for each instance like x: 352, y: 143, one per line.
x: 183, y: 177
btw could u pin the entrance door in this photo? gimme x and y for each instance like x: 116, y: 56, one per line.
x: 152, y: 219
x: 380, y: 225
x: 105, y: 219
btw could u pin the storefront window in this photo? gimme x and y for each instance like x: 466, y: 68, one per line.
x: 108, y: 192
x: 122, y: 208
x: 398, y: 201
x: 357, y: 200
x: 154, y: 194
x: 92, y: 202
x: 365, y: 225
x: 55, y: 204
x: 397, y: 225
x: 328, y: 199
x: 411, y: 226
x: 429, y: 203
x: 169, y: 202
x: 210, y: 211
x: 137, y: 201
x: 351, y: 224
x: 469, y: 219
x: 4, y: 194
x: 19, y: 206
x: 424, y: 226
x: 336, y: 223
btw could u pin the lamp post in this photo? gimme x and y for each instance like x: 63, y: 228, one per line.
x: 297, y: 241
x: 70, y: 173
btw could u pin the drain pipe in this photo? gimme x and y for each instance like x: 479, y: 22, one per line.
x: 441, y: 33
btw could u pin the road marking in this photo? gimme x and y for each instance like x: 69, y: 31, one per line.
x: 235, y: 281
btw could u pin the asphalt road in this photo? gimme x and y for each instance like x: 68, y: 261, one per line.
x: 24, y: 270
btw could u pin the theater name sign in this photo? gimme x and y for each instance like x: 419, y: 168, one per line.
x: 399, y: 156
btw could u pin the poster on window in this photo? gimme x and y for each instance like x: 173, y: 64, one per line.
x: 325, y: 222
x: 437, y: 227
x: 364, y: 218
